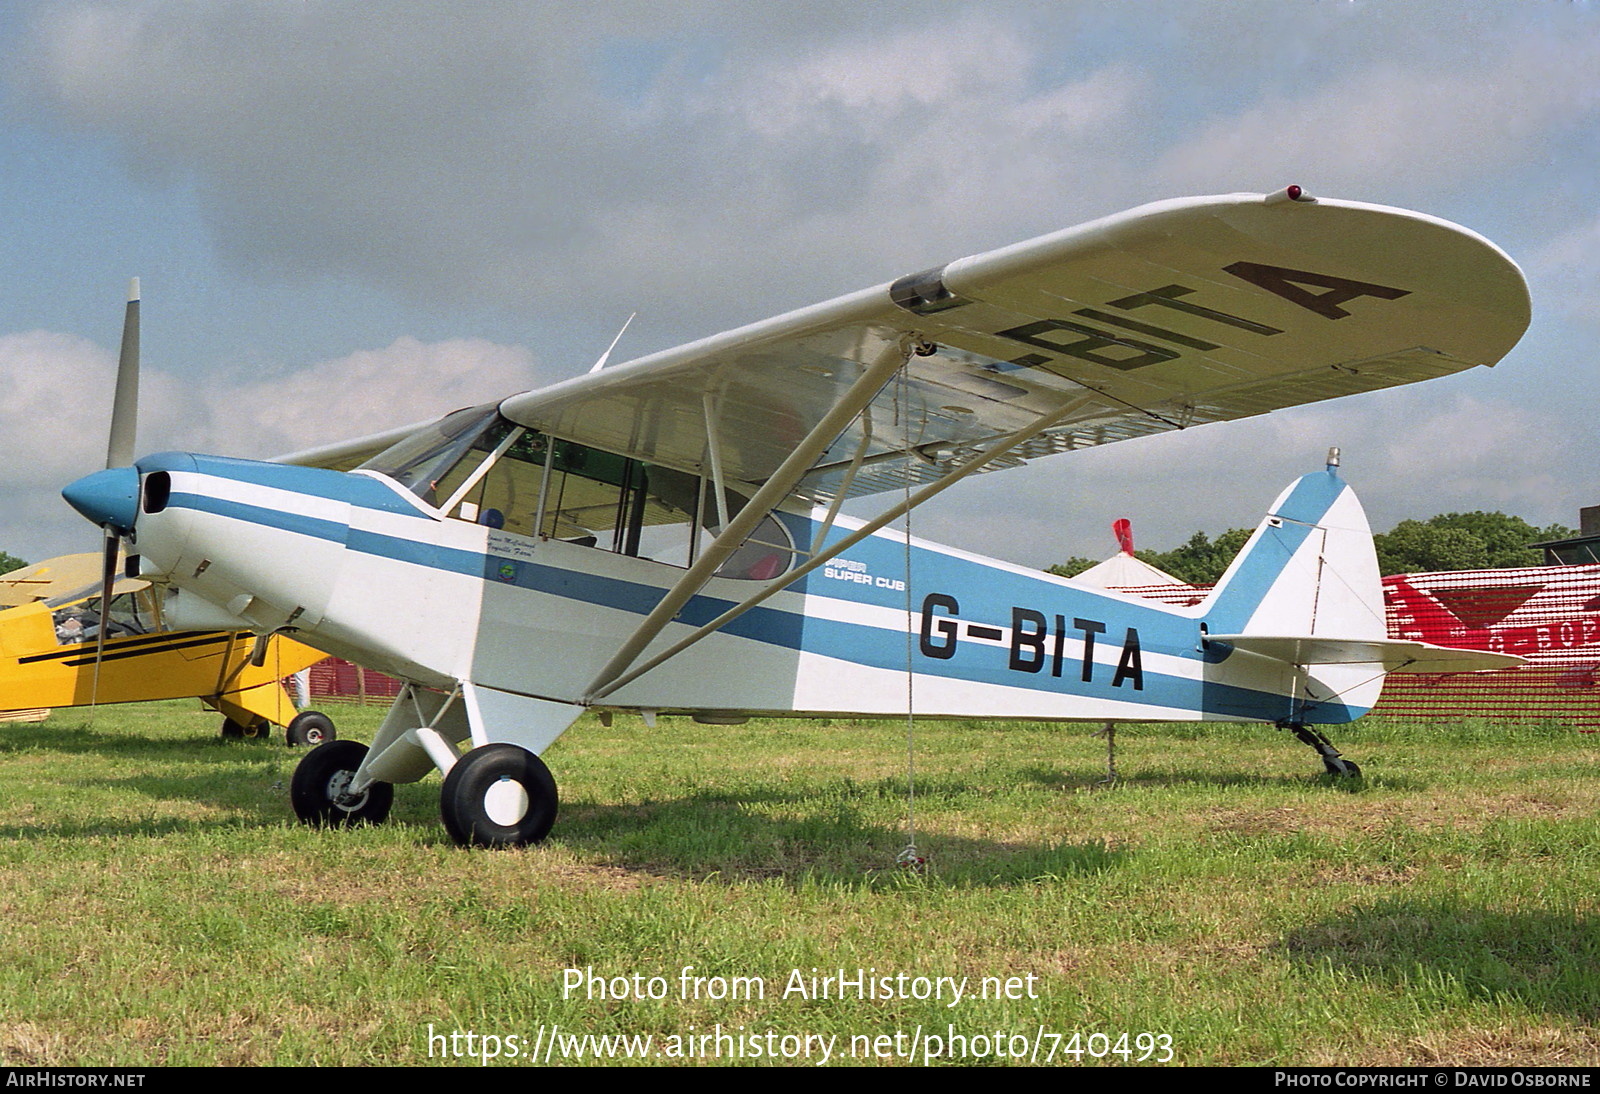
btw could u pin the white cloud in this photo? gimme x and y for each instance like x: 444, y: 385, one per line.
x: 1565, y: 273
x: 1409, y: 454
x: 1427, y: 127
x: 712, y: 163
x: 860, y: 88
x: 471, y: 155
x: 363, y: 392
x: 46, y: 441
x: 766, y: 156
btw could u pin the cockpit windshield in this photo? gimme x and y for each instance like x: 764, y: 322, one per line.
x: 421, y: 461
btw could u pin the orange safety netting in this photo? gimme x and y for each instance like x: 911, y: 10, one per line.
x: 337, y: 679
x: 1548, y: 614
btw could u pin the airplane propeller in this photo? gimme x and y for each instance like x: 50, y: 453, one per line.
x: 110, y: 498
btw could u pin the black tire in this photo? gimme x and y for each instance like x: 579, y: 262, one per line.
x: 310, y: 727
x: 258, y: 730
x: 1341, y: 768
x: 499, y: 795
x: 317, y: 789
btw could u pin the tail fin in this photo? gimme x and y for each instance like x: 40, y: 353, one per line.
x: 1305, y: 592
x: 1309, y: 570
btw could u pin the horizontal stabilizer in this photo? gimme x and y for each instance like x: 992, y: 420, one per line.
x: 1395, y: 655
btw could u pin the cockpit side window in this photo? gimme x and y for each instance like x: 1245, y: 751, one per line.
x: 597, y: 499
x: 506, y: 496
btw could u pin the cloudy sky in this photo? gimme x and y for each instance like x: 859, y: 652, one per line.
x: 350, y: 215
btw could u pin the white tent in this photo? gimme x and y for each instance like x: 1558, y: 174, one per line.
x: 1123, y: 571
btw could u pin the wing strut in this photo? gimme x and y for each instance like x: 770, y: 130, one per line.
x: 976, y: 463
x: 771, y: 494
x: 849, y: 478
x: 714, y: 455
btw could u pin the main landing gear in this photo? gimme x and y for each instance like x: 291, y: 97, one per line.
x: 499, y: 795
x: 321, y: 788
x: 1332, y: 762
x: 496, y: 792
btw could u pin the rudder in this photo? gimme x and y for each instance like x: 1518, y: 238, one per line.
x: 1309, y: 569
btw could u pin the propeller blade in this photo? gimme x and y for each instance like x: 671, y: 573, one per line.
x: 119, y: 454
x: 108, y: 579
x: 125, y: 407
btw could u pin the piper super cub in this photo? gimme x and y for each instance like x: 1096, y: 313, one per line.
x: 664, y: 536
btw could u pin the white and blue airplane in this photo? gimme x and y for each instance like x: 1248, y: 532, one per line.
x: 664, y: 536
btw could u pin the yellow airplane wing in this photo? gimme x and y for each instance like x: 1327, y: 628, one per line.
x: 49, y: 578
x: 48, y: 652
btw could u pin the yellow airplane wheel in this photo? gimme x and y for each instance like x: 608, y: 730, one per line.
x: 310, y: 727
x: 258, y: 730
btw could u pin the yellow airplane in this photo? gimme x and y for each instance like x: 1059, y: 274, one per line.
x: 50, y: 622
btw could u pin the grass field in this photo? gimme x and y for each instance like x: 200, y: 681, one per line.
x: 159, y: 906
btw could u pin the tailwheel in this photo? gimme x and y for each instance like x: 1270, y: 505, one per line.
x: 320, y: 789
x: 1341, y: 767
x: 258, y: 729
x: 499, y: 795
x: 1332, y: 762
x: 309, y: 727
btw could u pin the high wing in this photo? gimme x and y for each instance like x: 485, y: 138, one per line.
x: 1170, y: 315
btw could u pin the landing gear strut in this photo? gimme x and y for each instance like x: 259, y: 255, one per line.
x: 1332, y: 761
x: 497, y: 794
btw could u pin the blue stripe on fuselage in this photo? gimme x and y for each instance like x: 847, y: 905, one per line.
x: 314, y: 527
x: 987, y: 596
x: 997, y: 598
x: 362, y: 491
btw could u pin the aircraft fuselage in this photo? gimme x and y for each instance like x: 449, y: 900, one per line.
x: 357, y: 565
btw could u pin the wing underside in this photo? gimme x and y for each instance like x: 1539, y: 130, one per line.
x: 1166, y: 317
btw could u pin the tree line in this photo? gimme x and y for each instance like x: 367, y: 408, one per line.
x: 1450, y: 541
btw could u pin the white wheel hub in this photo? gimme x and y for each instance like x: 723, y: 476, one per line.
x: 339, y: 792
x: 506, y: 802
